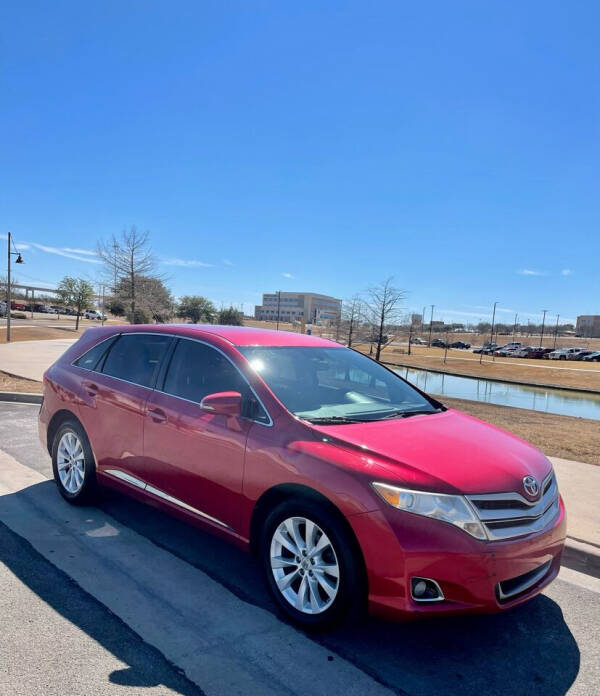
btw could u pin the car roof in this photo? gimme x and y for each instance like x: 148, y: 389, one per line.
x: 241, y: 335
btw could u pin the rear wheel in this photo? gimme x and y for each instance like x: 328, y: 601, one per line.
x: 73, y: 463
x: 311, y: 564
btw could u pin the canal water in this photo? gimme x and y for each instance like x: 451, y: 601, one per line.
x: 546, y: 400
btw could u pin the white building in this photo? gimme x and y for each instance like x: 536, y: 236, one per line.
x: 298, y: 306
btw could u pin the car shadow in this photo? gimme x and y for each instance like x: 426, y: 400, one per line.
x: 146, y: 666
x: 527, y: 650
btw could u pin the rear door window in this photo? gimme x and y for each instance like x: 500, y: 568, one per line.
x: 93, y: 358
x: 136, y: 357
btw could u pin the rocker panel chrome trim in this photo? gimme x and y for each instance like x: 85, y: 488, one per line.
x: 161, y: 494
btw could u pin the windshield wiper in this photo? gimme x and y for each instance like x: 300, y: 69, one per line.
x: 408, y: 414
x: 332, y: 420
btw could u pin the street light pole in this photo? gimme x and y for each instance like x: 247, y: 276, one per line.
x: 278, y: 305
x: 8, y: 295
x: 8, y: 288
x: 491, y: 335
x: 556, y: 330
x: 543, y: 322
x: 430, y: 326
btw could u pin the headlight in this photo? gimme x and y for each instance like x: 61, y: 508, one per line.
x: 449, y: 508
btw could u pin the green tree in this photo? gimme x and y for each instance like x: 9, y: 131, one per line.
x: 196, y: 308
x: 77, y: 293
x: 231, y: 316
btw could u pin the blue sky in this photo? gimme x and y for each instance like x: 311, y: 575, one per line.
x: 317, y: 146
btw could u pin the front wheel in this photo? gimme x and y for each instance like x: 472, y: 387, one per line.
x: 311, y: 564
x: 73, y: 464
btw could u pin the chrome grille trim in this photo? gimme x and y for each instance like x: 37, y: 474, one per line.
x: 512, y: 515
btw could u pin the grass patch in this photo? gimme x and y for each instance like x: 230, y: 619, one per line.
x: 556, y: 436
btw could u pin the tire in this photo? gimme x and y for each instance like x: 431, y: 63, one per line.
x: 73, y: 464
x: 326, y: 599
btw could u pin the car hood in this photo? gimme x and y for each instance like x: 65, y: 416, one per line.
x: 447, y: 452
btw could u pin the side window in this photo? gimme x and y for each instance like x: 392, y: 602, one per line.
x: 136, y: 357
x: 93, y: 357
x: 197, y: 370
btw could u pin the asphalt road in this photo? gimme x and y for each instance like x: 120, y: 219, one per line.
x: 235, y: 642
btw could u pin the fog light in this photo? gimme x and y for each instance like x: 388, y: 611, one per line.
x: 419, y: 588
x: 425, y: 590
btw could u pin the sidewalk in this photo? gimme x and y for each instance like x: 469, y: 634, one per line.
x: 579, y: 484
x: 30, y: 359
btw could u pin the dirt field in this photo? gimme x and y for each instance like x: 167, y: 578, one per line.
x: 556, y: 436
x: 18, y: 384
x: 40, y: 329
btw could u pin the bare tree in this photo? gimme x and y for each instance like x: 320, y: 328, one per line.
x: 127, y: 260
x: 383, y: 308
x: 351, y: 317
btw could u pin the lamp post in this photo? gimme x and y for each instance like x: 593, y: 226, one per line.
x: 543, y: 322
x: 278, y: 306
x: 491, y: 335
x: 19, y: 259
x: 430, y: 326
x: 556, y: 330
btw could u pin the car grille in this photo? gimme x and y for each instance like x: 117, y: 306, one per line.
x: 510, y: 515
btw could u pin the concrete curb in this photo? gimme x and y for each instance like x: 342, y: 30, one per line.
x: 582, y: 557
x: 21, y: 398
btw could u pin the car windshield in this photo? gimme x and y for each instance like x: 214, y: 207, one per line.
x: 335, y: 384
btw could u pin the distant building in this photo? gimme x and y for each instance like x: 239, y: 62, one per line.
x: 416, y: 319
x: 298, y: 306
x: 588, y: 326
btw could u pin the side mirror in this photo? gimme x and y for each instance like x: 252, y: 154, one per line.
x: 223, y: 403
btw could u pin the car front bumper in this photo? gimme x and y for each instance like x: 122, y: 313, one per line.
x: 474, y: 576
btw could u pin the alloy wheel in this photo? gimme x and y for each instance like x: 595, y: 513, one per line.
x: 70, y: 461
x: 304, y: 565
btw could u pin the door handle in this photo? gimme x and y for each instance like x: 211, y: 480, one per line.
x: 157, y: 415
x: 91, y: 388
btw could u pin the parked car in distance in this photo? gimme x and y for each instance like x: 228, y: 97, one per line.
x: 593, y: 357
x: 438, y: 343
x: 460, y: 344
x: 539, y: 353
x: 486, y: 347
x: 16, y: 304
x: 93, y: 314
x: 523, y: 352
x: 508, y: 349
x: 351, y: 486
x: 2, y: 308
x: 418, y: 341
x: 581, y: 355
x: 490, y: 348
x: 558, y: 354
x: 564, y: 353
x: 505, y: 352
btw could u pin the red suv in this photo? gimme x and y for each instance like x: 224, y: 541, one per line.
x: 349, y: 483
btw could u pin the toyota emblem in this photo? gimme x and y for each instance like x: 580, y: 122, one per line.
x: 531, y: 486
